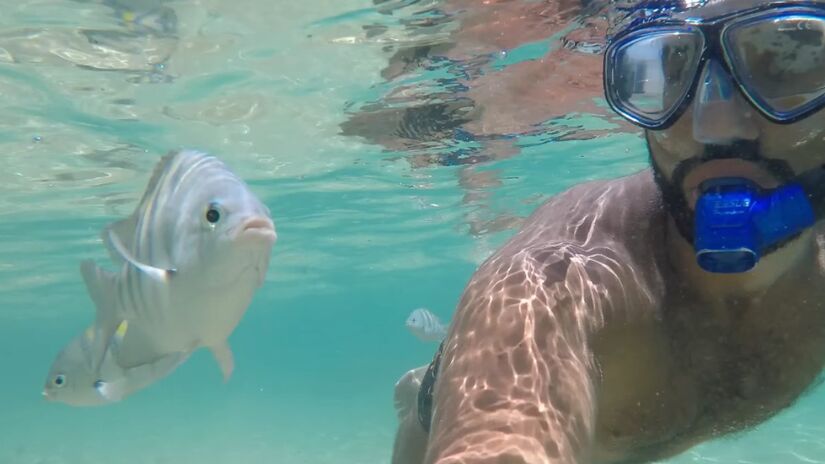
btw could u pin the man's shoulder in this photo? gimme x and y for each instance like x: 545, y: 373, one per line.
x: 598, y: 244
x: 594, y: 214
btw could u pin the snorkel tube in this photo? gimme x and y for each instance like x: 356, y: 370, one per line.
x: 736, y: 222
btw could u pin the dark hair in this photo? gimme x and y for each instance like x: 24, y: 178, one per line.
x: 634, y: 13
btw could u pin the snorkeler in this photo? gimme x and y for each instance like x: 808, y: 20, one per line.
x: 634, y: 318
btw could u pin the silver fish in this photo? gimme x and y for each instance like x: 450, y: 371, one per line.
x: 80, y: 377
x: 425, y: 325
x: 191, y: 257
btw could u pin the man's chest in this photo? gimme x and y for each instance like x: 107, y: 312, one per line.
x: 702, y: 372
x: 751, y: 364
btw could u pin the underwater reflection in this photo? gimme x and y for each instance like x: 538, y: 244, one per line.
x: 465, y: 80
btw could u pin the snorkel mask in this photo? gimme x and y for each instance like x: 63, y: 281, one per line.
x: 774, y: 56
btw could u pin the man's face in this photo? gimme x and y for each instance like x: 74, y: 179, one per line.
x: 734, y: 140
x: 721, y: 134
x: 730, y: 140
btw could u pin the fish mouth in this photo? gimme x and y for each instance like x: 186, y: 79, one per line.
x: 259, y: 227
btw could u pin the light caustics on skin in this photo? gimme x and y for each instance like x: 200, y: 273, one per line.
x: 517, y: 378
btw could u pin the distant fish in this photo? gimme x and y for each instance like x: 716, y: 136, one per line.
x: 425, y: 325
x: 191, y: 257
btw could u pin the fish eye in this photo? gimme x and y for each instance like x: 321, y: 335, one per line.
x: 212, y: 214
x: 99, y: 384
x: 59, y: 380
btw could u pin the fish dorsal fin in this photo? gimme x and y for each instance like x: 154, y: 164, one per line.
x: 91, y: 343
x: 157, y: 174
x: 124, y: 232
x: 119, y: 236
x: 116, y: 247
x: 102, y: 286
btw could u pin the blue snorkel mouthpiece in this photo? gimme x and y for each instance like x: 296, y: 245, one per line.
x: 736, y: 222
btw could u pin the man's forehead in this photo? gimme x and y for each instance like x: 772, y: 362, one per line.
x: 704, y: 9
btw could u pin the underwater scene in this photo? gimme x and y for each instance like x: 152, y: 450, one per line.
x: 369, y: 156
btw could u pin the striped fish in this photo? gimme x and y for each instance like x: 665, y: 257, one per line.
x: 190, y: 259
x: 425, y: 325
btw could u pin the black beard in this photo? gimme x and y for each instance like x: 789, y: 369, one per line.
x: 676, y: 204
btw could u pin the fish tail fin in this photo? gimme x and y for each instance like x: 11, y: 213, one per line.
x: 223, y: 355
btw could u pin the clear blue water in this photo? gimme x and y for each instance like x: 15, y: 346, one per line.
x: 94, y: 93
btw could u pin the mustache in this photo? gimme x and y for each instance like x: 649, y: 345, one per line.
x: 745, y: 150
x: 672, y: 195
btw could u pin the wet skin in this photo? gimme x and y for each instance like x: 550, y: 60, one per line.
x: 593, y: 337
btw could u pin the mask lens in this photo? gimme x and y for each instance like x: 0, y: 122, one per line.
x: 649, y: 74
x: 780, y: 61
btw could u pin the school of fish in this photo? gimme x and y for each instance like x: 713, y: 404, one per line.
x: 189, y: 261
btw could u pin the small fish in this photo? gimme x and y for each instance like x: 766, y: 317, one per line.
x: 79, y: 377
x: 190, y: 259
x: 425, y: 325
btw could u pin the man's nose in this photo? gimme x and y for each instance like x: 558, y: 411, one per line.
x: 720, y: 113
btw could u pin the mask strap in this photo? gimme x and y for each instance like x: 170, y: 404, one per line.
x: 813, y: 182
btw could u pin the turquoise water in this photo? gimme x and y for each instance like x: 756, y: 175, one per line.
x: 94, y: 93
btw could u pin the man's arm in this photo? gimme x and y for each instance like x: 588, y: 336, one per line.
x: 517, y: 379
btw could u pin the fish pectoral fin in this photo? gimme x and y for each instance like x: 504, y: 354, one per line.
x: 112, y: 391
x: 115, y: 245
x: 116, y: 383
x: 115, y: 342
x: 223, y: 355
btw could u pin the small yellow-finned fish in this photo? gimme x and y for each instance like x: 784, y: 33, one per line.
x: 86, y: 372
